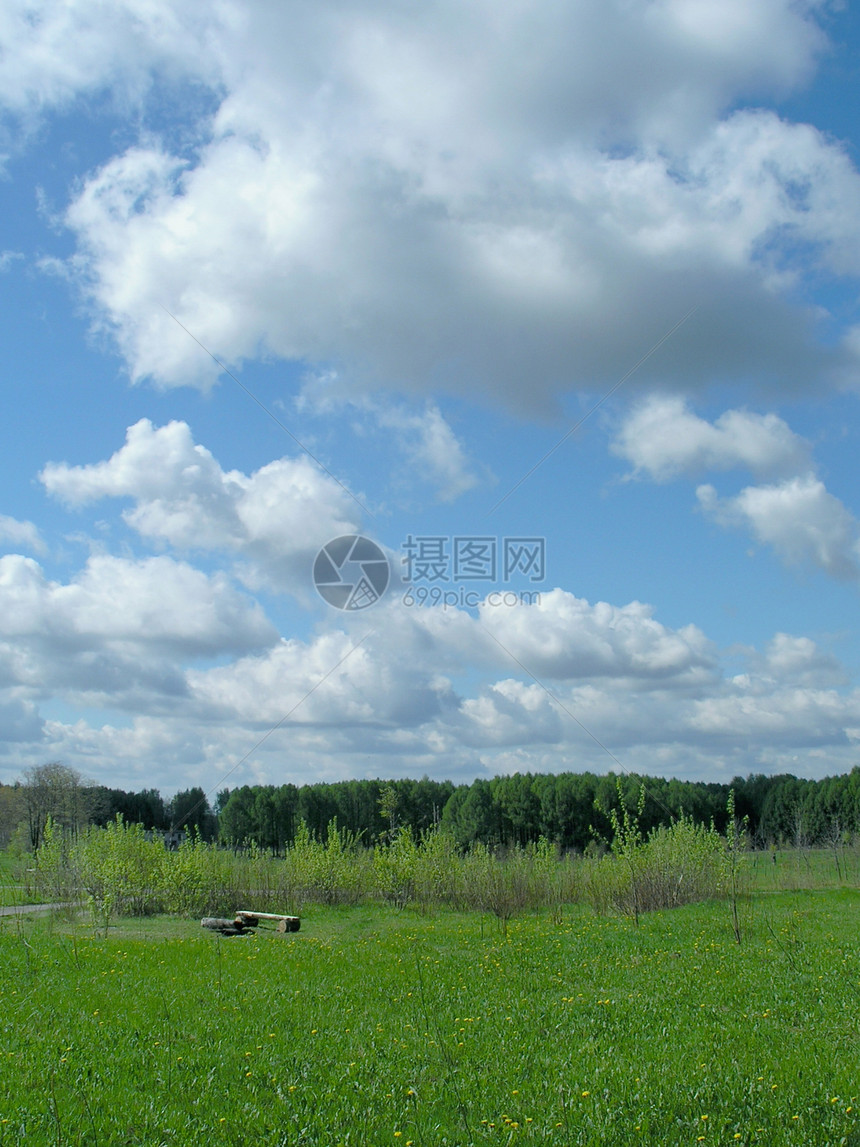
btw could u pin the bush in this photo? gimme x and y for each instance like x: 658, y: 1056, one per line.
x: 677, y: 865
x: 119, y: 870
x: 395, y: 867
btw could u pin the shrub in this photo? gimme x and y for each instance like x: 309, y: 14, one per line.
x: 120, y: 870
x: 395, y: 867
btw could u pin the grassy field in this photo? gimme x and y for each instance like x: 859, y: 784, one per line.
x: 792, y: 869
x: 12, y: 879
x: 377, y: 1027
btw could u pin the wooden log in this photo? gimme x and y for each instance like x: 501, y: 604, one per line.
x: 265, y: 915
x: 225, y: 927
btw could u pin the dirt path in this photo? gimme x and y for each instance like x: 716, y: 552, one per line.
x: 25, y: 909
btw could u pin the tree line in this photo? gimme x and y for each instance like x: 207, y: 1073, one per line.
x: 54, y: 790
x: 569, y: 809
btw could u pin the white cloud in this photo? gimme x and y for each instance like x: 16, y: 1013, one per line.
x: 7, y: 258
x: 432, y: 448
x: 799, y: 661
x: 430, y: 691
x: 418, y: 197
x: 593, y: 261
x: 663, y: 438
x: 796, y: 515
x: 118, y: 632
x: 435, y: 454
x: 275, y: 519
x: 805, y: 524
x: 56, y: 53
x: 564, y: 637
x: 24, y: 534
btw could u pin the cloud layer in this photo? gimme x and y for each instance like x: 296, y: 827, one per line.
x: 501, y: 203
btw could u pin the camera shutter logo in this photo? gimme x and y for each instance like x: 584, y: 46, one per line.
x: 351, y: 572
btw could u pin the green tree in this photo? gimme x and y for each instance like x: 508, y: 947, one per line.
x: 189, y: 810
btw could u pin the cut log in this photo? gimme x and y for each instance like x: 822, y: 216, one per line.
x: 225, y: 927
x: 243, y: 921
x: 252, y: 919
x: 266, y: 915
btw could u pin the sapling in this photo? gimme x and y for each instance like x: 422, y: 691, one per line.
x: 627, y: 842
x: 735, y: 833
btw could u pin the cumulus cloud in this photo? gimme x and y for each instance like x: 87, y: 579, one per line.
x: 799, y: 518
x: 120, y: 629
x: 564, y: 637
x: 663, y: 438
x: 797, y: 661
x: 24, y: 534
x: 796, y: 515
x: 418, y: 197
x: 431, y: 691
x: 275, y: 519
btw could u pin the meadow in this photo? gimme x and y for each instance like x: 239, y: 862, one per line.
x: 383, y: 1026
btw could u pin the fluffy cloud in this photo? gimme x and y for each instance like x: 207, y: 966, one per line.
x: 275, y: 519
x: 563, y: 637
x: 805, y: 524
x: 118, y: 632
x: 663, y: 438
x: 54, y: 54
x: 403, y: 692
x: 797, y: 516
x: 417, y: 196
x: 24, y: 534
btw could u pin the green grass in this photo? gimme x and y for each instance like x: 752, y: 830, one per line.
x: 377, y: 1027
x: 12, y: 873
x: 792, y: 869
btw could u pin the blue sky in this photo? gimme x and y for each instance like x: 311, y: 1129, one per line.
x: 428, y: 245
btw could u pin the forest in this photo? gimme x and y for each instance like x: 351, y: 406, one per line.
x: 572, y: 810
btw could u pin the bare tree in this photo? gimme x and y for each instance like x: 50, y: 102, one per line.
x: 801, y: 836
x: 11, y: 812
x: 56, y: 791
x: 835, y: 841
